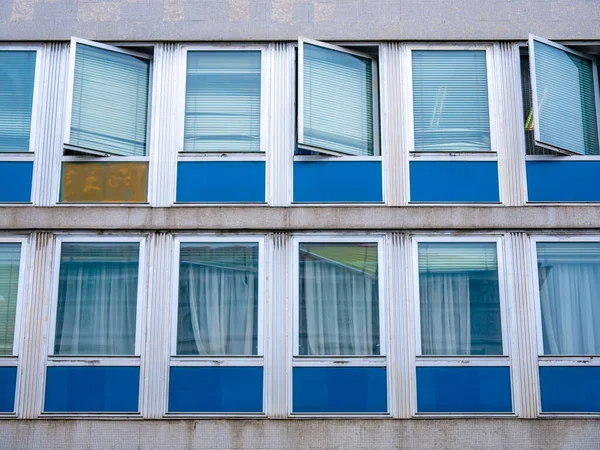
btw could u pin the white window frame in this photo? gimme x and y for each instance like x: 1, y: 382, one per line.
x: 99, y: 360
x: 503, y: 360
x: 264, y: 116
x: 90, y: 155
x: 381, y: 360
x: 257, y: 360
x: 325, y: 154
x: 536, y: 118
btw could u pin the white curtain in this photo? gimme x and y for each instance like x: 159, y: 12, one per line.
x: 445, y: 313
x: 570, y: 303
x: 217, y: 310
x: 96, y: 308
x: 339, y: 309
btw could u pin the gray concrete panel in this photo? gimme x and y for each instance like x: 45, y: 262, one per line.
x: 301, y: 218
x: 250, y: 20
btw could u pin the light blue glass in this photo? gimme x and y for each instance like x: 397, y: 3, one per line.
x: 566, y: 102
x: 110, y: 101
x: 218, y: 299
x: 459, y: 299
x: 97, y: 299
x: 17, y: 74
x: 450, y: 100
x: 10, y: 256
x: 569, y: 283
x: 222, y: 101
x: 338, y: 101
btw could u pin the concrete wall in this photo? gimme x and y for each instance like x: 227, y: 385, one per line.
x: 301, y: 434
x: 197, y: 20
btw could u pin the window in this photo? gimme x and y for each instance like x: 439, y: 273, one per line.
x: 337, y: 100
x: 17, y: 76
x: 223, y: 101
x: 560, y: 90
x: 569, y: 291
x: 450, y: 101
x: 10, y: 266
x: 459, y: 299
x: 218, y: 299
x: 97, y: 299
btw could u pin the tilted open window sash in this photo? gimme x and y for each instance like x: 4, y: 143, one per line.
x: 564, y: 85
x: 337, y: 100
x: 108, y: 100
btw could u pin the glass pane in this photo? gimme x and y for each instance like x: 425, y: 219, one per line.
x: 450, y: 100
x: 218, y: 299
x: 17, y: 74
x: 10, y: 255
x: 222, y: 102
x: 97, y: 299
x: 339, y: 300
x: 566, y: 100
x: 460, y: 300
x: 338, y: 101
x: 110, y: 101
x: 569, y: 280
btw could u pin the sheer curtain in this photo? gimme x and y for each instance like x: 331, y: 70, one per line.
x: 97, y: 299
x: 218, y: 300
x: 338, y: 305
x: 570, y: 299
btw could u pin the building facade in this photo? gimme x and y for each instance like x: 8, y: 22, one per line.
x: 287, y: 223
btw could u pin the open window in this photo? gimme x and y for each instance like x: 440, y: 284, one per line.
x: 561, y: 109
x: 337, y: 100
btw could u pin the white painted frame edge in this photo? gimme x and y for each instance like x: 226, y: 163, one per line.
x: 532, y: 75
x: 69, y: 99
x: 300, y: 98
x: 234, y: 360
x: 264, y: 107
x: 35, y: 105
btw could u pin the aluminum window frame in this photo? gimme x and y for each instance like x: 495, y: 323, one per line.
x: 88, y: 154
x: 325, y: 154
x: 536, y: 112
x: 381, y: 360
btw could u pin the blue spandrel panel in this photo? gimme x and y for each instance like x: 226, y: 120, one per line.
x: 340, y: 390
x: 563, y: 181
x: 15, y: 181
x: 216, y: 390
x: 337, y: 182
x: 570, y: 389
x: 8, y: 382
x: 92, y: 389
x: 463, y: 390
x: 221, y: 182
x: 454, y: 182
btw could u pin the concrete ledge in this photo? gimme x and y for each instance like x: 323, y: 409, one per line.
x: 300, y: 218
x: 301, y: 434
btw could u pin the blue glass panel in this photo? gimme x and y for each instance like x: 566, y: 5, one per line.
x: 570, y: 389
x: 454, y: 181
x: 340, y: 390
x: 17, y: 74
x: 563, y: 181
x: 8, y: 382
x: 15, y: 181
x: 463, y: 390
x: 92, y: 389
x: 221, y: 182
x: 337, y: 181
x: 216, y: 389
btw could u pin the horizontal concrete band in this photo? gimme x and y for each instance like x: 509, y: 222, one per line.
x: 301, y: 218
x: 300, y: 434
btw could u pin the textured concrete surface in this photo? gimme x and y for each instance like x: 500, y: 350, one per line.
x: 197, y: 20
x: 301, y: 434
x: 301, y: 218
